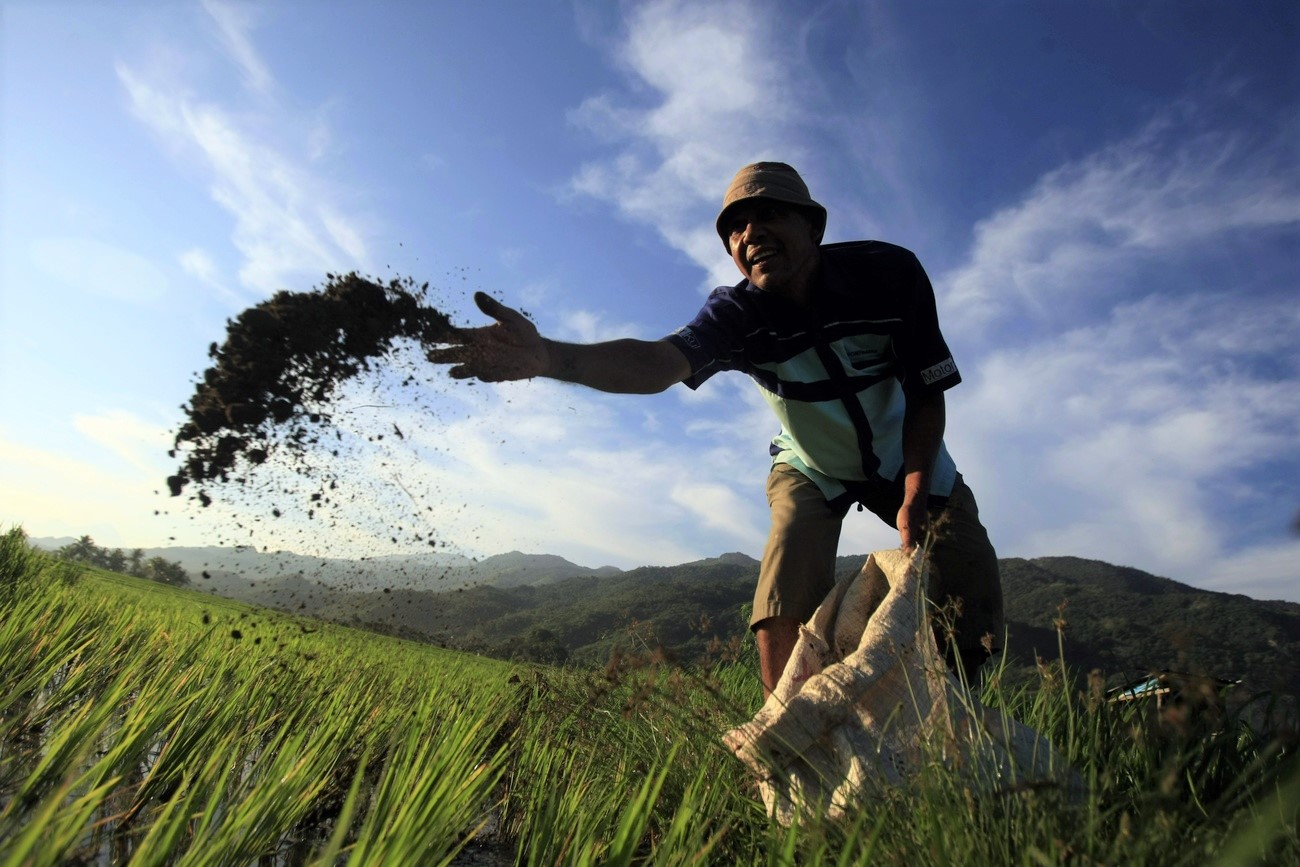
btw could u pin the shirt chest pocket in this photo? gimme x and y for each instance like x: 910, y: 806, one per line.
x: 866, y: 353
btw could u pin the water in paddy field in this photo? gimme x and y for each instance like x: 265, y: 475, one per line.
x: 111, y: 837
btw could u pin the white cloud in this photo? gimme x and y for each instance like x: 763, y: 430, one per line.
x: 50, y: 493
x: 720, y: 79
x: 586, y: 327
x: 1131, y: 359
x: 288, y: 220
x: 718, y: 507
x: 198, y: 263
x: 134, y: 440
x: 1130, y: 439
x: 536, y: 466
x: 1083, y: 231
x: 235, y: 24
x: 341, y: 230
x: 559, y: 469
x: 1265, y: 572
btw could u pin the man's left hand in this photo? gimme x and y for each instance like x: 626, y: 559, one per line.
x: 913, y: 521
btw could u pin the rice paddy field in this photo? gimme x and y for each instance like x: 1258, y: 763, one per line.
x: 143, y: 724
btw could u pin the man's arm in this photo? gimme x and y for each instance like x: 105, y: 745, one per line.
x: 623, y: 366
x: 511, y: 348
x: 923, y: 425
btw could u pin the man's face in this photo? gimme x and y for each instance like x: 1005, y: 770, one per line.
x: 772, y: 244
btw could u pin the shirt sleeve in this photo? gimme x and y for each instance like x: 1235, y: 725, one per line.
x: 711, y: 341
x: 926, y: 363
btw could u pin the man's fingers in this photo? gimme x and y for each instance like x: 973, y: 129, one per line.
x: 490, y: 305
x: 448, y: 355
x: 465, y: 371
x: 461, y: 343
x: 508, y: 349
x: 497, y: 310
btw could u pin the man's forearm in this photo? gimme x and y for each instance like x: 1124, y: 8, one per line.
x: 923, y: 427
x: 624, y: 366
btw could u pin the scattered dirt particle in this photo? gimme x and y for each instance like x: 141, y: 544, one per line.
x: 283, y: 360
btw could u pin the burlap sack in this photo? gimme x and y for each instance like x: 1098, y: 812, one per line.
x: 866, y: 702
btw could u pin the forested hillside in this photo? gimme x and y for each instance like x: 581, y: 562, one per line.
x: 1123, y: 620
x: 1120, y: 620
x: 683, y: 608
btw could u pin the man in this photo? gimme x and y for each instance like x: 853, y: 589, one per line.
x: 843, y: 342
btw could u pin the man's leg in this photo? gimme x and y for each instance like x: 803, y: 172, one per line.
x: 776, y: 637
x: 964, y: 566
x: 798, y: 567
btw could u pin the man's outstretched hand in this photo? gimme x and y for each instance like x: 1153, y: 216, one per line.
x: 510, y: 348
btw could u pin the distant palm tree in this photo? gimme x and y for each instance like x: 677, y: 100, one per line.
x: 115, y: 560
x: 83, y: 550
x: 167, y: 572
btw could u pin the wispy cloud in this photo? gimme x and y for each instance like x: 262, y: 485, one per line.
x: 288, y: 220
x: 1120, y: 387
x: 1135, y: 377
x: 1264, y: 572
x: 198, y: 263
x: 109, y: 494
x: 1087, y: 228
x: 234, y: 27
x: 129, y: 437
x: 589, y: 473
x: 720, y: 85
x: 585, y: 327
x: 535, y: 466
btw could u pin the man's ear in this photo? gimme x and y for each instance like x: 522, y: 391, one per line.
x: 814, y: 231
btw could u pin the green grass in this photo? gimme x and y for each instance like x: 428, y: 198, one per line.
x: 145, y: 724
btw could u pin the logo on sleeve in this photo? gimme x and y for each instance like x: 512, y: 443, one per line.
x: 943, y: 369
x: 688, y: 337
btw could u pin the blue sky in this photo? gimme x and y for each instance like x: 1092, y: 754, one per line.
x: 1106, y: 196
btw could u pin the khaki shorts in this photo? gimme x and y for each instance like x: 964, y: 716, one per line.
x: 799, y: 563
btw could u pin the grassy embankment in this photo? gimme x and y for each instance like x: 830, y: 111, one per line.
x: 146, y: 725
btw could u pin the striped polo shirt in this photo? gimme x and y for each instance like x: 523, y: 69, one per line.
x: 837, y: 376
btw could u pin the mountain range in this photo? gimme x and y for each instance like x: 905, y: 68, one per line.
x: 1117, y: 619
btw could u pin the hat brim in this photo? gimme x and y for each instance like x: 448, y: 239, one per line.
x: 814, y: 211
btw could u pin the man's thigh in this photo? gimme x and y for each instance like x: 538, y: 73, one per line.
x: 965, y: 567
x: 799, y: 562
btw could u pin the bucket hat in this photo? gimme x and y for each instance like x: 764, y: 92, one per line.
x: 776, y: 181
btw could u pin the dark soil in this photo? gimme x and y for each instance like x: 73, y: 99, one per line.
x: 271, y: 382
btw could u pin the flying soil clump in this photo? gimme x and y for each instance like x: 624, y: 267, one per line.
x: 282, y: 362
